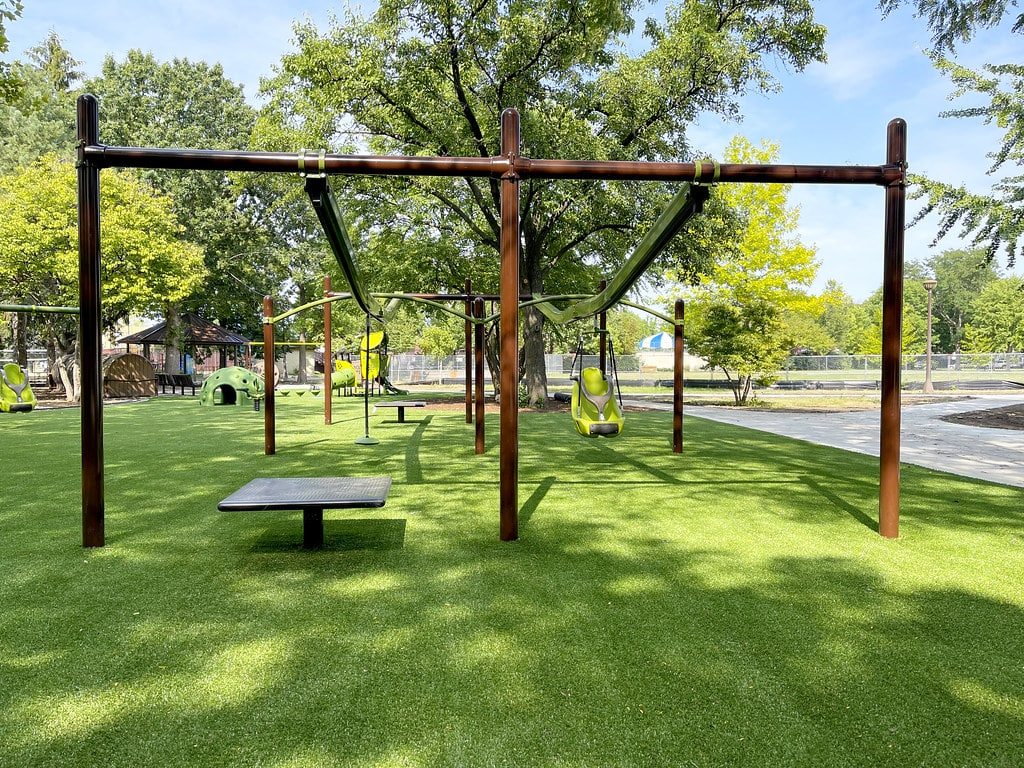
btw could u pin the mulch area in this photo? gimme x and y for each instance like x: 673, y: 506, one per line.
x: 1007, y: 417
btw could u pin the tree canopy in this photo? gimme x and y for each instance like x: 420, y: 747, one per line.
x: 182, y: 103
x: 9, y: 11
x: 431, y: 77
x: 145, y: 264
x: 995, y: 220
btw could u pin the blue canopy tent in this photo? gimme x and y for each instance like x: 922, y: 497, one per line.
x: 657, y: 341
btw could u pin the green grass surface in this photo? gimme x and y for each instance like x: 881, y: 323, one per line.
x: 732, y: 606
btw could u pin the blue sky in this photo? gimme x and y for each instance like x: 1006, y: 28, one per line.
x: 831, y: 113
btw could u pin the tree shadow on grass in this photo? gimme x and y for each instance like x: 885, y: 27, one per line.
x: 619, y: 636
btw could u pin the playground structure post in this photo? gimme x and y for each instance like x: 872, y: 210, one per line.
x: 269, y: 414
x: 478, y: 355
x: 510, y: 168
x: 328, y: 355
x: 469, y: 356
x: 509, y: 330
x: 89, y: 301
x: 677, y: 377
x: 892, y: 311
x: 602, y: 327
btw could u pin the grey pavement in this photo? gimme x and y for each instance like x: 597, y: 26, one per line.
x: 988, y: 454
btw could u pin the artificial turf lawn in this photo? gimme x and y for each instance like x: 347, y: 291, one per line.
x: 728, y: 607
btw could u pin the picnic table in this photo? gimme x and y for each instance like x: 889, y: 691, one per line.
x: 401, y: 405
x: 311, y: 495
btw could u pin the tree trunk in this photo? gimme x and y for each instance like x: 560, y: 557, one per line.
x: 536, y: 377
x: 172, y: 340
x: 302, y: 359
x: 67, y: 368
x: 51, y: 362
x: 534, y: 374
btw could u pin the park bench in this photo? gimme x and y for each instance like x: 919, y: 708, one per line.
x: 174, y: 380
x: 311, y: 496
x: 401, y: 405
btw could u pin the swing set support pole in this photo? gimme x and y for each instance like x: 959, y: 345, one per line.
x: 510, y: 237
x: 602, y: 327
x: 328, y: 356
x: 91, y: 345
x: 677, y: 379
x: 478, y: 354
x: 269, y: 414
x: 469, y: 351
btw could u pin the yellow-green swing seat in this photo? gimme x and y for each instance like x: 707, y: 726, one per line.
x: 15, y: 393
x: 595, y: 410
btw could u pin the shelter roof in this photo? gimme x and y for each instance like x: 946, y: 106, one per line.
x: 195, y: 331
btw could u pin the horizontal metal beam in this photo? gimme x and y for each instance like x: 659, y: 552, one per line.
x: 521, y: 167
x: 38, y: 308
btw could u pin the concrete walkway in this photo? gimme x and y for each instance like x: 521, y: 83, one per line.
x: 981, y: 452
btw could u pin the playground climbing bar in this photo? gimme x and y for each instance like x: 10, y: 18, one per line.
x: 510, y: 168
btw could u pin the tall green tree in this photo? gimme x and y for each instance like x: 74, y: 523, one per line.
x: 915, y: 314
x: 997, y: 324
x: 41, y: 119
x: 994, y: 221
x: 431, y: 77
x: 145, y: 263
x: 842, y: 318
x: 763, y: 277
x: 748, y: 342
x: 9, y: 11
x: 961, y: 276
x: 145, y: 102
x: 766, y: 261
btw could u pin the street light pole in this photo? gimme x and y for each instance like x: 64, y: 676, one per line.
x: 929, y: 285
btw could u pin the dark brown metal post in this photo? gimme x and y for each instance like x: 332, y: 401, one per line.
x: 269, y: 414
x: 328, y: 355
x: 478, y: 354
x: 677, y: 378
x: 509, y: 291
x: 469, y: 353
x: 602, y: 327
x: 91, y: 345
x: 892, y: 311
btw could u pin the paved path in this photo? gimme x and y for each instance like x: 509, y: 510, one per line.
x: 926, y: 440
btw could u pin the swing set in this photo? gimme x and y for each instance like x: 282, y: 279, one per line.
x: 508, y: 168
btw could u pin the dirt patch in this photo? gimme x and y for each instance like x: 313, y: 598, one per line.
x: 1007, y: 417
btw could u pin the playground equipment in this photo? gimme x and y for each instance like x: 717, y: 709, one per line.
x: 595, y: 410
x: 506, y: 169
x: 375, y: 362
x: 16, y: 395
x: 128, y: 375
x: 233, y: 385
x: 343, y: 377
